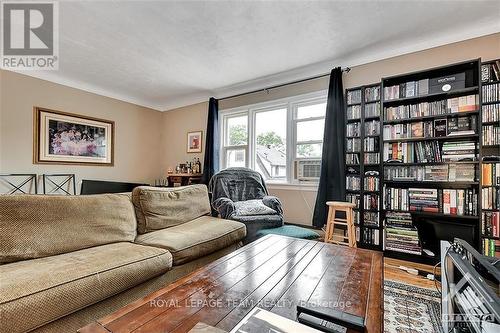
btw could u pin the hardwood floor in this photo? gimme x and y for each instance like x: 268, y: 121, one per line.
x: 393, y: 273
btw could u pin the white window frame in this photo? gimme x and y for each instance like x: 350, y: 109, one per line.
x: 224, y: 138
x: 291, y: 104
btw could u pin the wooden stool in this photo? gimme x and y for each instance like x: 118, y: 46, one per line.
x: 333, y: 208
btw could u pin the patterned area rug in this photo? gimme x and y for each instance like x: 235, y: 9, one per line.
x: 410, y: 309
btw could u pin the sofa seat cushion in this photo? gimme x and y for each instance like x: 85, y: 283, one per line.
x: 38, y: 291
x: 196, y: 238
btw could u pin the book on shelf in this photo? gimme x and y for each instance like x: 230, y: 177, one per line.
x: 353, y: 112
x: 402, y: 239
x: 491, y: 224
x: 353, y: 198
x: 371, y: 219
x: 353, y: 182
x: 431, y: 173
x: 353, y: 145
x: 372, y: 93
x: 353, y: 129
x: 427, y: 151
x: 490, y: 72
x: 372, y: 110
x: 490, y: 174
x: 355, y: 214
x: 491, y: 135
x: 491, y: 247
x: 372, y: 128
x: 491, y: 113
x: 407, y: 89
x: 423, y: 200
x: 490, y: 197
x: 491, y: 93
x: 371, y: 201
x: 430, y: 152
x: 371, y: 158
x: 455, y: 151
x: 371, y: 144
x: 371, y: 181
x: 440, y: 127
x: 446, y: 201
x: 436, y: 108
x: 428, y: 129
x: 395, y: 199
x: 399, y: 151
x: 371, y: 236
x: 398, y: 219
x: 352, y: 158
x: 354, y: 96
x: 462, y: 125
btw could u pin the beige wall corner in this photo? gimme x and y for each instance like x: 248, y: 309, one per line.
x: 176, y: 124
x: 137, y: 134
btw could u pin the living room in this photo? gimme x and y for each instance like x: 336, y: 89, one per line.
x: 243, y: 162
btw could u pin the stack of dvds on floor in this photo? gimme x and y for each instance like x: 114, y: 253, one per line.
x: 400, y: 234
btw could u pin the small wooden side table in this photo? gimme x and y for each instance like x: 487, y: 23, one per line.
x: 349, y: 232
x: 183, y: 178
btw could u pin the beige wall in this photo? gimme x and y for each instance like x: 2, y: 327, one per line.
x: 137, y: 147
x: 176, y: 124
x: 299, y: 204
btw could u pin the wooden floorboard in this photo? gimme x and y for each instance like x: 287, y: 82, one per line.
x: 393, y: 273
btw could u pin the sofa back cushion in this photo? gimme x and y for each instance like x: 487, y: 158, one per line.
x: 159, y: 208
x: 35, y: 226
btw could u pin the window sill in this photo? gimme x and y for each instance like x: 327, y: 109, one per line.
x: 312, y: 187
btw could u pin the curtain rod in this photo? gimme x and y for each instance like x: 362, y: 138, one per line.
x: 344, y: 70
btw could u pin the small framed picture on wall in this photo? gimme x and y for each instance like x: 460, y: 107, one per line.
x: 194, y: 142
x: 65, y: 138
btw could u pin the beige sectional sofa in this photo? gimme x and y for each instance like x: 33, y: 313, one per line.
x: 68, y: 260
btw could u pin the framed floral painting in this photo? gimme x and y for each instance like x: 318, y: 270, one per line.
x: 65, y: 138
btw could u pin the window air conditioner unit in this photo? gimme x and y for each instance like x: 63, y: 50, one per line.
x: 308, y: 169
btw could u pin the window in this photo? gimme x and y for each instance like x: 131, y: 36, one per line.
x: 235, y: 141
x: 270, y: 143
x: 268, y: 137
x: 309, y: 129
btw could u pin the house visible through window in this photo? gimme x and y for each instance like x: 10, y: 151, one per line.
x: 269, y: 137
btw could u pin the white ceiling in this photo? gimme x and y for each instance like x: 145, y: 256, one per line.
x: 166, y: 54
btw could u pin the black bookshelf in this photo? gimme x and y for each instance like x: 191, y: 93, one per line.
x: 490, y: 147
x: 431, y: 226
x: 369, y: 235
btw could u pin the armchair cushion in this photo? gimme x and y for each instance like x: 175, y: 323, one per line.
x: 225, y: 207
x: 274, y: 203
x: 252, y: 207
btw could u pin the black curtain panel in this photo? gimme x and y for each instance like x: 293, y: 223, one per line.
x: 211, y: 162
x: 332, y: 179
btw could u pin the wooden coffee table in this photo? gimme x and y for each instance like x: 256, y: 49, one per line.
x: 274, y: 273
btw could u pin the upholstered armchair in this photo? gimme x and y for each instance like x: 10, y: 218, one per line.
x: 241, y: 194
